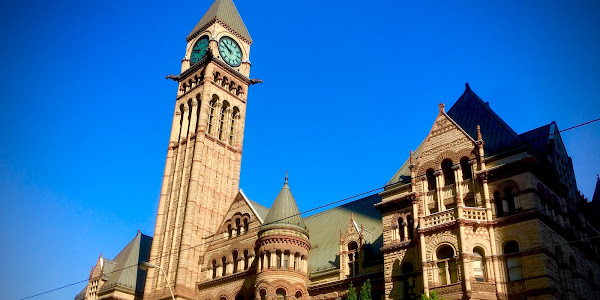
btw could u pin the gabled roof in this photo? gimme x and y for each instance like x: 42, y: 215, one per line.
x: 470, y: 111
x: 284, y: 210
x: 325, y: 227
x: 125, y: 272
x: 225, y: 11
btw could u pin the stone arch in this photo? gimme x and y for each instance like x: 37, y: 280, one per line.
x: 421, y: 170
x: 448, y: 154
x: 441, y: 238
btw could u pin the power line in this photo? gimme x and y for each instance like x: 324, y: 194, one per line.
x: 307, y: 211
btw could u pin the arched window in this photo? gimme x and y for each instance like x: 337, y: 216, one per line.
x: 222, y: 119
x: 499, y: 206
x: 224, y: 81
x: 235, y: 261
x: 238, y: 227
x: 466, y: 168
x: 479, y: 264
x: 211, y: 113
x: 245, y: 225
x: 280, y: 294
x: 430, y: 180
x: 447, y: 268
x: 214, y: 269
x: 224, y: 262
x: 353, y: 259
x: 198, y: 110
x: 514, y: 266
x: 401, y: 228
x: 223, y: 298
x: 263, y: 294
x: 409, y: 280
x: 229, y: 231
x: 234, y: 115
x: 510, y: 199
x: 448, y: 172
x: 216, y: 77
x: 298, y: 295
x: 246, y: 260
x: 410, y: 221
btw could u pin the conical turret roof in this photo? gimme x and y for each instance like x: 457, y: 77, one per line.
x: 284, y: 210
x: 225, y: 11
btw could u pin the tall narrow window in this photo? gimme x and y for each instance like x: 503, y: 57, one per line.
x: 409, y: 220
x: 286, y: 257
x: 278, y: 262
x: 466, y: 168
x: 510, y: 199
x: 222, y: 119
x: 401, y: 229
x: 198, y: 110
x: 430, y: 180
x: 238, y: 226
x: 224, y: 262
x: 246, y: 260
x: 514, y: 266
x: 479, y: 264
x: 211, y: 113
x: 245, y: 225
x: 499, y: 206
x: 214, y: 269
x: 234, y: 115
x: 263, y: 294
x: 448, y: 172
x: 353, y: 259
x: 235, y: 261
x: 409, y: 280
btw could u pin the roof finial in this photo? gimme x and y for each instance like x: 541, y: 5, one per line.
x: 597, y: 177
x: 467, y: 87
x: 441, y: 106
x: 411, y: 157
x: 479, y: 137
x: 286, y: 176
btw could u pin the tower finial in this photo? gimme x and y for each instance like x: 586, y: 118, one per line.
x: 286, y: 176
x: 467, y: 87
x: 441, y: 106
x: 411, y: 157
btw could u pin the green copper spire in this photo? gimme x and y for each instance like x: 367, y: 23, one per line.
x: 224, y: 11
x: 284, y: 210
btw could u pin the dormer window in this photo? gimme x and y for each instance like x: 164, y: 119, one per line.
x: 353, y: 259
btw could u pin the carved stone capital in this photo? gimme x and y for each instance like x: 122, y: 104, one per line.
x: 456, y: 167
x: 437, y: 173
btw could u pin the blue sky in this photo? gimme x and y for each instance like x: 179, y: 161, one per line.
x: 349, y: 88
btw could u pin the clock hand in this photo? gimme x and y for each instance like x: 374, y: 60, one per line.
x: 231, y: 52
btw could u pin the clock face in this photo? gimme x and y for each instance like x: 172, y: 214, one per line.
x: 230, y: 51
x: 199, y: 50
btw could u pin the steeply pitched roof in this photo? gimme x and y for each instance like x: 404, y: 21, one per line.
x: 596, y: 197
x: 225, y: 11
x: 126, y: 273
x: 470, y: 111
x: 259, y: 208
x: 284, y: 210
x: 325, y: 227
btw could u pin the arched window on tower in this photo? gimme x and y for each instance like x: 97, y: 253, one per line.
x: 234, y: 116
x: 211, y: 113
x: 353, y: 259
x: 278, y: 262
x: 448, y: 172
x: 479, y: 264
x: 298, y: 295
x: 514, y: 266
x: 238, y: 227
x: 222, y: 119
x: 446, y: 264
x: 263, y: 294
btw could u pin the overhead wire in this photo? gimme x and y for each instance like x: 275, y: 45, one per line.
x: 300, y: 213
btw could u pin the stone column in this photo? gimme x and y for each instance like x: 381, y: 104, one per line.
x: 425, y: 190
x: 405, y: 230
x: 422, y: 246
x: 273, y: 264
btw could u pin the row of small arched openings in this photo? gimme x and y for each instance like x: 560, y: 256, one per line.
x: 447, y: 171
x: 237, y: 225
x: 505, y: 199
x: 281, y: 294
x: 192, y: 83
x: 240, y: 262
x: 228, y: 84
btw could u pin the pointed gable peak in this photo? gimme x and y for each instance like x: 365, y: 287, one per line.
x: 284, y: 210
x: 596, y: 197
x: 224, y: 12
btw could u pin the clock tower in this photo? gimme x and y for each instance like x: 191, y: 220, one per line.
x: 202, y: 169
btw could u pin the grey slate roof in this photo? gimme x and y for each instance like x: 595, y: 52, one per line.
x: 470, y: 111
x: 122, y: 271
x: 284, y: 210
x: 261, y: 210
x: 225, y: 11
x: 325, y: 227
